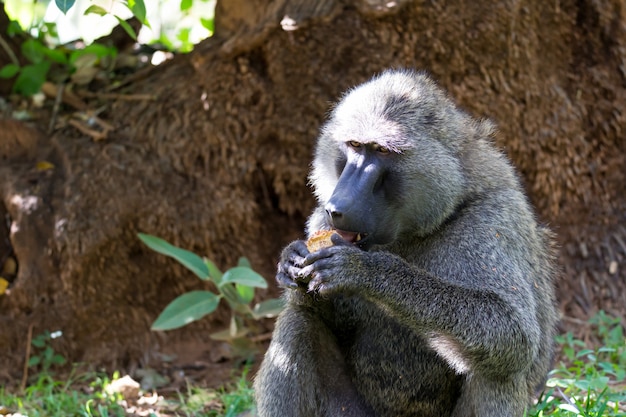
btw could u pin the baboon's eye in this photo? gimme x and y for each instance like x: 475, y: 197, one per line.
x: 382, y: 149
x: 354, y: 144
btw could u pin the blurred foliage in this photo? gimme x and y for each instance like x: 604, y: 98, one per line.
x: 62, y: 36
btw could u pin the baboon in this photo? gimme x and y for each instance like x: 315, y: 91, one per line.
x: 437, y: 296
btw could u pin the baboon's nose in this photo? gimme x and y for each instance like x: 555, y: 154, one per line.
x: 333, y: 213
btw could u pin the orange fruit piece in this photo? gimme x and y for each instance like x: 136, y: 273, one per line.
x: 319, y: 240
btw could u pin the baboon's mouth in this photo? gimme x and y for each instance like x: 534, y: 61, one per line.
x: 356, y: 238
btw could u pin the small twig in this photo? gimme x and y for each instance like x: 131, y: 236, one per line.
x: 52, y: 90
x: 9, y: 51
x: 55, y: 108
x: 261, y: 338
x: 29, y: 340
x: 116, y: 96
x: 139, y: 75
x: 566, y: 398
x: 96, y: 135
x: 575, y: 321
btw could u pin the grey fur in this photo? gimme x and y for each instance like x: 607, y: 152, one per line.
x: 451, y: 312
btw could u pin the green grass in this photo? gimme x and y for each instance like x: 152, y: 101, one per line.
x: 83, y: 396
x: 587, y: 382
x: 87, y: 396
x: 230, y: 401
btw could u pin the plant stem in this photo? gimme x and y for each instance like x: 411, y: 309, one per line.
x: 9, y: 51
x: 29, y: 339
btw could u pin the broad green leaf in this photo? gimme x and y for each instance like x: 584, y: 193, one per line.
x: 244, y: 276
x: 48, y: 353
x: 51, y: 29
x: 95, y: 9
x: 245, y: 292
x: 188, y: 259
x: 127, y: 28
x: 58, y: 359
x: 214, y: 272
x: 40, y: 341
x: 185, y: 309
x: 9, y: 71
x: 186, y: 5
x: 584, y: 352
x: 31, y: 78
x: 606, y: 349
x: 94, y: 49
x: 55, y: 55
x: 64, y: 5
x: 208, y: 24
x: 268, y: 308
x: 183, y: 36
x: 243, y: 261
x: 14, y: 28
x: 34, y: 360
x: 138, y: 7
x: 33, y: 50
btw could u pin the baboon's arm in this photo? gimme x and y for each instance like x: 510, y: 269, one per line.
x: 480, y: 328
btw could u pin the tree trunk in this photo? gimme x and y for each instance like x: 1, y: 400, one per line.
x: 217, y: 162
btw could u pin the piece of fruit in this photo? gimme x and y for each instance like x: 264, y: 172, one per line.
x: 319, y: 240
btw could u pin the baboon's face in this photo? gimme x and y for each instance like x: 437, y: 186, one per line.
x: 361, y: 205
x: 386, y: 165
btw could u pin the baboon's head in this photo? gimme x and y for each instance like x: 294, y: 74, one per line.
x: 387, y: 163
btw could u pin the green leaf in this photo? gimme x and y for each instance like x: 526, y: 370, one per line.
x: 64, y: 5
x: 183, y: 35
x: 243, y: 261
x: 14, y: 28
x: 245, y: 292
x: 31, y: 78
x: 58, y: 359
x: 41, y: 340
x: 232, y: 296
x: 95, y: 9
x: 185, y: 309
x: 268, y: 308
x: 55, y: 55
x: 138, y: 7
x: 9, y: 70
x: 214, y: 272
x: 606, y: 349
x: 185, y: 5
x: 33, y: 50
x: 208, y: 24
x: 94, y: 49
x: 50, y: 28
x: 127, y: 28
x: 34, y: 360
x: 48, y: 353
x: 245, y: 276
x: 188, y: 259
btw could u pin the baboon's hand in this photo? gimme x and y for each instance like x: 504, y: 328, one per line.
x: 289, y: 273
x: 332, y: 268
